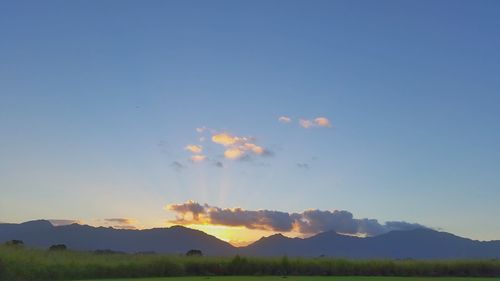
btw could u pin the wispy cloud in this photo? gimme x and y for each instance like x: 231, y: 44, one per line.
x: 198, y: 158
x: 307, y: 222
x: 119, y: 220
x: 315, y: 123
x: 121, y: 223
x: 177, y: 166
x: 284, y: 119
x: 303, y: 165
x: 194, y: 148
x: 59, y: 222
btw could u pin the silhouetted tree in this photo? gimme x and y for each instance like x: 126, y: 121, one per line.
x: 58, y: 247
x: 14, y: 243
x: 194, y: 253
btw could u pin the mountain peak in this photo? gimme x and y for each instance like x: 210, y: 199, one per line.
x: 38, y: 223
x: 417, y: 243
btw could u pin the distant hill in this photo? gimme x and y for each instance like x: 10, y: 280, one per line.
x: 175, y: 240
x: 417, y: 244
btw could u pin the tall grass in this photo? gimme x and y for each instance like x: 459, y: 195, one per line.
x: 19, y: 264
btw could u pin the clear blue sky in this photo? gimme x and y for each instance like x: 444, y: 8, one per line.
x: 99, y: 98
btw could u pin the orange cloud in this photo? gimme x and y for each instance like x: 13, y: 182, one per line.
x: 254, y: 148
x: 197, y: 158
x: 317, y: 122
x: 194, y: 148
x: 119, y: 223
x: 225, y: 139
x: 237, y: 147
x: 322, y: 122
x: 233, y: 153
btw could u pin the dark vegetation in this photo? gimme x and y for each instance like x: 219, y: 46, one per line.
x: 18, y: 243
x: 194, y: 253
x: 20, y: 263
x: 58, y: 247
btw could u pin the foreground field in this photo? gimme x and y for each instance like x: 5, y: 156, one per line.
x: 306, y: 278
x: 21, y: 264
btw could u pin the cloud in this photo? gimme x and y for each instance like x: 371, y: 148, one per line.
x: 284, y: 119
x: 57, y: 222
x: 177, y: 166
x: 226, y: 139
x: 197, y: 158
x: 201, y: 129
x: 307, y: 222
x: 119, y: 220
x: 121, y: 223
x: 303, y: 165
x: 322, y: 122
x: 189, y: 207
x: 194, y: 148
x: 237, y: 147
x: 233, y: 153
x: 306, y: 123
x: 315, y: 123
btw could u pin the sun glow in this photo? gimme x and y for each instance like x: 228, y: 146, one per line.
x: 236, y: 236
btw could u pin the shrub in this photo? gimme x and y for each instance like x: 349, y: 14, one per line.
x: 194, y: 253
x: 14, y: 243
x: 58, y: 247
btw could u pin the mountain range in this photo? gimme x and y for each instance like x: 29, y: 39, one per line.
x: 419, y: 243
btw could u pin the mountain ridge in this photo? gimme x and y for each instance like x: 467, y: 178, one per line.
x: 415, y: 244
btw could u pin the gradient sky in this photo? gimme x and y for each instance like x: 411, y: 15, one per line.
x: 98, y: 99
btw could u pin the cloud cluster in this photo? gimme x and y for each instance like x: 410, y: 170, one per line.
x: 197, y: 152
x: 315, y: 123
x: 237, y: 147
x: 308, y: 123
x: 308, y: 222
x: 194, y: 148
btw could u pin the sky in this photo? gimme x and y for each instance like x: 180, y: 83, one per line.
x: 246, y: 118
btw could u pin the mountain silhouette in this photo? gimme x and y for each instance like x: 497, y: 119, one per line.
x: 174, y: 240
x: 419, y: 243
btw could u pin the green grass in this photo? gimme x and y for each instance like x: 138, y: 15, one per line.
x: 306, y: 278
x: 21, y: 264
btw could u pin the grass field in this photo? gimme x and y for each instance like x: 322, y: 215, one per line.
x: 306, y: 278
x: 23, y: 264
